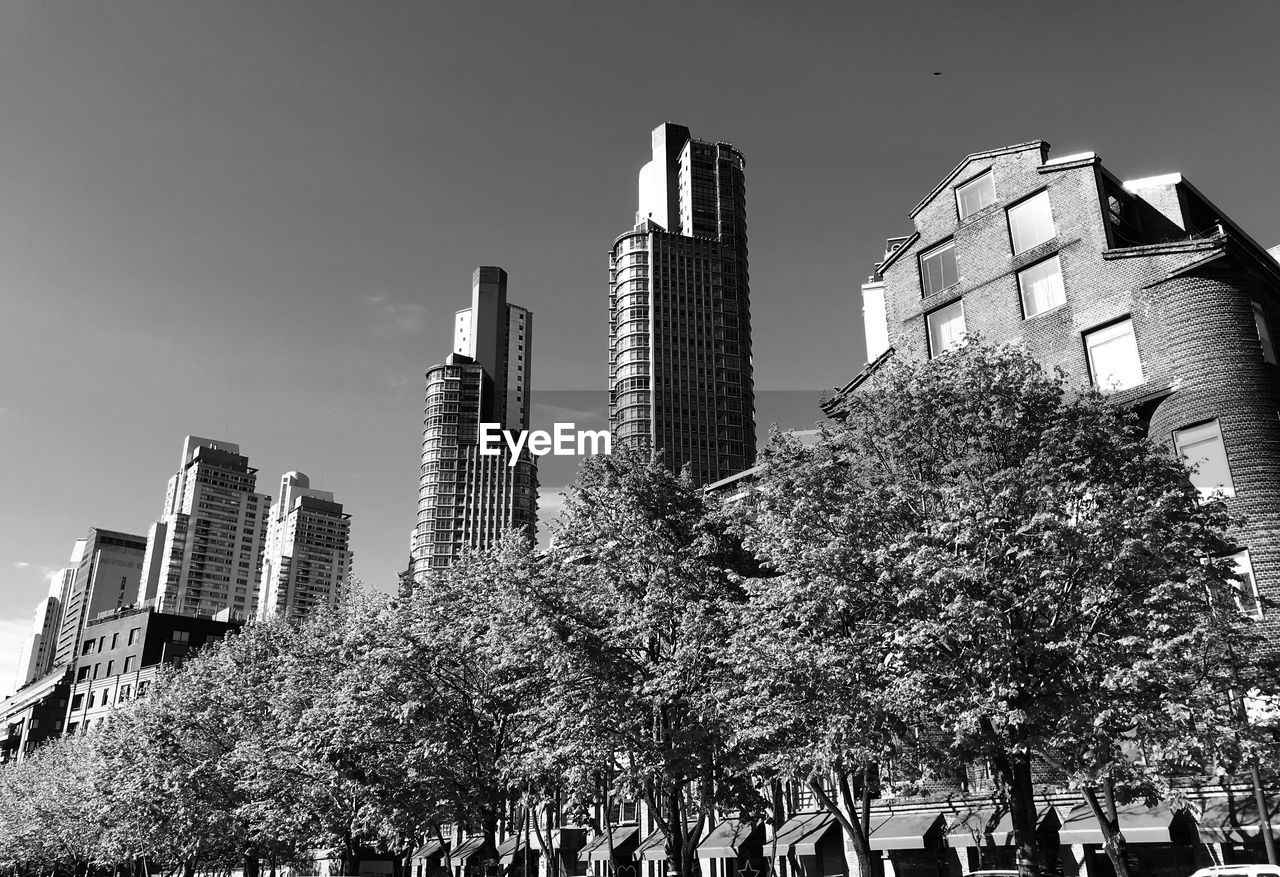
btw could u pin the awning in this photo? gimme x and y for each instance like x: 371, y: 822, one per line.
x: 430, y: 850
x: 568, y: 840
x: 904, y: 831
x: 732, y: 839
x: 802, y: 833
x: 1139, y: 824
x: 1046, y: 819
x: 509, y: 849
x: 969, y: 828
x: 467, y: 849
x: 1227, y: 820
x: 624, y: 838
x: 654, y: 847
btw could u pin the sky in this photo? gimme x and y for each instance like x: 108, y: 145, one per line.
x: 253, y: 221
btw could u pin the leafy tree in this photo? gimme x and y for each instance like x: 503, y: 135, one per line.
x: 631, y: 612
x: 1041, y: 574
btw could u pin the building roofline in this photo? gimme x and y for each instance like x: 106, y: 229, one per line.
x: 1042, y: 145
x: 828, y: 406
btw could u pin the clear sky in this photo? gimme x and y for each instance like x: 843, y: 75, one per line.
x: 254, y: 221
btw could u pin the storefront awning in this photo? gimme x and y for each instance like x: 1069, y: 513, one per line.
x: 624, y: 843
x: 467, y: 849
x: 654, y: 847
x: 566, y: 840
x: 510, y: 849
x: 430, y: 850
x: 1235, y: 820
x: 1139, y: 824
x: 904, y: 831
x: 802, y: 833
x: 1046, y: 820
x: 969, y: 828
x: 732, y: 839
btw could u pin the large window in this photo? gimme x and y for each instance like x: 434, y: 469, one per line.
x: 1041, y: 287
x: 946, y: 328
x: 1264, y: 333
x: 1246, y: 589
x: 938, y: 268
x: 1031, y: 223
x: 1113, y: 357
x: 1201, y: 446
x: 976, y: 194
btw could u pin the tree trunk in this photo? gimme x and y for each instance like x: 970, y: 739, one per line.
x: 1023, y: 815
x: 251, y: 864
x: 1113, y: 841
x: 856, y: 825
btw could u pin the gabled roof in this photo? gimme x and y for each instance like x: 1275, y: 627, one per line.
x: 1042, y: 145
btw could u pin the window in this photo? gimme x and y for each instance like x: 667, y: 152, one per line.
x: 1246, y: 588
x: 87, y: 648
x: 1201, y: 446
x: 128, y: 664
x: 976, y: 194
x: 82, y: 674
x: 115, y: 638
x: 110, y: 664
x: 1264, y: 333
x: 1031, y: 223
x: 938, y: 268
x: 946, y: 328
x: 1113, y: 357
x: 181, y: 636
x: 1041, y: 287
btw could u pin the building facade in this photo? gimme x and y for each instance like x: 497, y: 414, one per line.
x: 204, y: 554
x: 33, y: 714
x: 308, y: 555
x: 122, y: 653
x: 106, y: 578
x: 1144, y: 289
x: 680, y: 371
x: 467, y: 499
x: 1147, y: 291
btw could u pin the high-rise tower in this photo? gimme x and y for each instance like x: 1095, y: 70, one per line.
x: 204, y: 553
x: 108, y: 568
x: 307, y: 557
x: 680, y: 376
x: 466, y: 499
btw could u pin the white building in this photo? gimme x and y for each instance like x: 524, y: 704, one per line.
x: 307, y: 557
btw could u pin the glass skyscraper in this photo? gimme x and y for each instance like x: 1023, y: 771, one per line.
x: 680, y: 374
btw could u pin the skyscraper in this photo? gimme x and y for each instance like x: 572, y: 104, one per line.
x: 680, y: 378
x: 106, y: 579
x: 37, y: 655
x: 307, y: 557
x: 466, y: 499
x: 204, y: 553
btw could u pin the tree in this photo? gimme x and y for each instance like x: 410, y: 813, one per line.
x: 1043, y: 577
x: 631, y: 612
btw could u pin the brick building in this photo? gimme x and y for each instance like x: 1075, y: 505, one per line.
x: 1147, y: 291
x: 1144, y: 289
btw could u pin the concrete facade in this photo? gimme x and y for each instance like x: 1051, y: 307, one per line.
x: 308, y: 555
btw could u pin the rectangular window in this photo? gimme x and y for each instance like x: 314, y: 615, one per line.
x: 1041, y: 287
x: 87, y: 648
x: 1031, y: 223
x: 938, y: 268
x: 181, y: 636
x: 1113, y: 357
x: 115, y: 637
x: 1246, y: 588
x: 128, y: 664
x: 1202, y: 448
x: 976, y: 194
x: 82, y: 674
x: 1264, y: 333
x: 946, y: 328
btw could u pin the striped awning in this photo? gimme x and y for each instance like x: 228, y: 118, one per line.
x: 467, y: 849
x: 431, y: 849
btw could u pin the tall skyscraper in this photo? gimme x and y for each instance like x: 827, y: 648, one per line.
x: 203, y: 556
x: 466, y: 499
x: 307, y: 557
x: 37, y: 655
x: 106, y: 578
x: 680, y: 378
